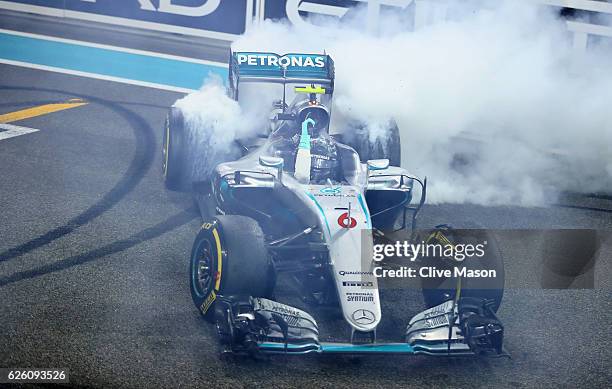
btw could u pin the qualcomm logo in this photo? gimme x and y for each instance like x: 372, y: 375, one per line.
x: 373, y: 6
x: 205, y: 8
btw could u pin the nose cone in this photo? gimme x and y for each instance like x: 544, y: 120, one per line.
x: 363, y: 319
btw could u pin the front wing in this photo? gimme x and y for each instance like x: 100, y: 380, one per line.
x: 261, y: 326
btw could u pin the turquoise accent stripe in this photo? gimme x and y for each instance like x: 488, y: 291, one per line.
x: 305, y: 137
x: 399, y: 348
x: 320, y: 209
x: 365, y: 210
x: 106, y: 62
x: 343, y: 348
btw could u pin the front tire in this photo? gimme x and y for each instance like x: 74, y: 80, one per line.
x: 438, y: 290
x: 229, y: 257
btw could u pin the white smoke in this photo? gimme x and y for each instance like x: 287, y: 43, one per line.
x: 493, y: 106
x: 213, y: 121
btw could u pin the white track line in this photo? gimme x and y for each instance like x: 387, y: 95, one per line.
x: 10, y: 131
x: 96, y: 76
x: 113, y: 48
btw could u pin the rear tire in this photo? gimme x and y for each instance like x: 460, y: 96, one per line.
x: 229, y: 257
x: 190, y: 154
x: 175, y: 152
x: 387, y: 147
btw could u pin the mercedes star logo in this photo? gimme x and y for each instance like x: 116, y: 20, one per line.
x: 363, y: 316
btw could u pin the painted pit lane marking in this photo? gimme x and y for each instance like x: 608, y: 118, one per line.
x: 104, y: 62
x: 40, y: 110
x: 95, y: 76
x: 10, y: 131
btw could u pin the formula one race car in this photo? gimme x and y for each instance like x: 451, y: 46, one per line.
x: 299, y: 201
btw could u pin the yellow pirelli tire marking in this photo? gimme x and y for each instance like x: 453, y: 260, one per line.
x: 440, y: 237
x: 40, y: 110
x: 208, y: 302
x: 219, y: 259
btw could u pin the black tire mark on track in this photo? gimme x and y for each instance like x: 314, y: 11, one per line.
x: 152, y: 232
x: 28, y: 104
x: 601, y: 196
x: 164, y: 107
x: 138, y: 167
x: 594, y: 209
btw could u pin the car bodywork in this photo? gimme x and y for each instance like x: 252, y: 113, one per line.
x: 322, y: 234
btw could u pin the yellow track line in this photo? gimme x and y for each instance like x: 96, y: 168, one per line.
x: 40, y: 110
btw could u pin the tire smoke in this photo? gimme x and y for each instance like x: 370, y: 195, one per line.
x: 213, y: 121
x: 494, y: 105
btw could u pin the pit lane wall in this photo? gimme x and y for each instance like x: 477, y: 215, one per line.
x: 217, y: 19
x: 228, y: 19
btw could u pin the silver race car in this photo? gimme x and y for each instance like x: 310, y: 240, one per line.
x: 298, y: 200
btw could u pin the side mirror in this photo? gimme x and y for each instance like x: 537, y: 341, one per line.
x: 274, y: 162
x: 378, y: 164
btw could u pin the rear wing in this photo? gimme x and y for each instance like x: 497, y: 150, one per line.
x: 283, y: 69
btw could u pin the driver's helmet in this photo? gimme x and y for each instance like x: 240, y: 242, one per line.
x: 324, y: 155
x: 316, y: 112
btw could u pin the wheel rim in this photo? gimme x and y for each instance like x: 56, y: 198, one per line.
x: 203, y: 272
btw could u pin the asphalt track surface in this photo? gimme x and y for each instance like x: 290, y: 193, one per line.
x: 93, y: 267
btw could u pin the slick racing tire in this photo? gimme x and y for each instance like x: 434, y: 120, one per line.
x: 190, y: 154
x: 229, y: 257
x: 382, y: 148
x: 175, y: 153
x: 438, y: 290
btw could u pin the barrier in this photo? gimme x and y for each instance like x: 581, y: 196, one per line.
x: 228, y: 19
x: 218, y: 19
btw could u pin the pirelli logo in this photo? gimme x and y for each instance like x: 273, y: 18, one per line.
x: 208, y: 302
x: 358, y: 283
x: 440, y: 237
